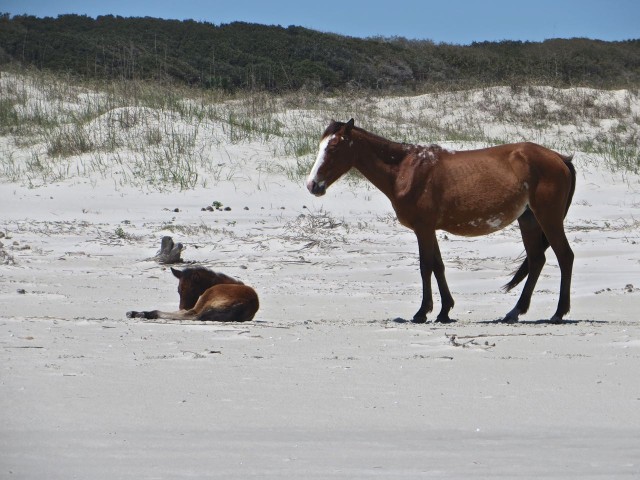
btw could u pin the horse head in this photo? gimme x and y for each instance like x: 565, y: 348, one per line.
x: 334, y: 157
x: 189, y: 287
x: 194, y: 281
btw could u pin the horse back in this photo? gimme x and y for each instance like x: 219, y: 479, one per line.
x: 505, y: 168
x: 476, y: 192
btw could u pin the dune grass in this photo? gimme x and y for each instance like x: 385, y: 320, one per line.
x: 152, y: 135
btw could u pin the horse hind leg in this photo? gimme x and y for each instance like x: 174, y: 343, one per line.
x: 535, y: 244
x: 564, y: 254
x: 550, y: 205
x: 538, y: 233
x: 239, y: 312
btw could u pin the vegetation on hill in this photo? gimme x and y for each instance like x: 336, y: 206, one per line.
x: 274, y: 58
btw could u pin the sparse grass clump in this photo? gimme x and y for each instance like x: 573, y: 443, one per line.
x: 317, y: 229
x: 69, y: 141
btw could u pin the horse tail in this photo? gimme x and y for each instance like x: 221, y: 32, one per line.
x: 521, y: 273
x: 572, y: 169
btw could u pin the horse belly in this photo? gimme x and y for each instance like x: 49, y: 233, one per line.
x: 483, y: 220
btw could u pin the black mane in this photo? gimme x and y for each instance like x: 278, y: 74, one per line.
x: 208, y: 276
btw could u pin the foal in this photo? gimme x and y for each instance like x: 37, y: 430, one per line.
x: 207, y: 295
x: 468, y: 193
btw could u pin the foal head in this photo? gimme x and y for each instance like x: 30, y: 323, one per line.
x: 334, y: 158
x: 195, y: 281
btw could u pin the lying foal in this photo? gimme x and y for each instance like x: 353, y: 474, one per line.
x: 207, y: 295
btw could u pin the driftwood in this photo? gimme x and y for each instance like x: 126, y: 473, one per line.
x: 169, y: 251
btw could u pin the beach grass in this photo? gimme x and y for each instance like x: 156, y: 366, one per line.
x: 152, y: 135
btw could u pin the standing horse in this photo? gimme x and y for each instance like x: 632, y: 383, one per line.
x: 207, y: 295
x: 468, y: 193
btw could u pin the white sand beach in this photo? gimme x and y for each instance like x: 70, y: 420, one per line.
x: 330, y: 380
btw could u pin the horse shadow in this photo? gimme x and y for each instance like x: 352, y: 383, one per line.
x: 542, y: 321
x: 499, y: 321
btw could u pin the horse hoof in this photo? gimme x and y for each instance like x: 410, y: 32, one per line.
x: 419, y: 319
x: 444, y: 319
x: 557, y: 319
x: 511, y: 317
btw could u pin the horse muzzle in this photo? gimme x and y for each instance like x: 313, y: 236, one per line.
x: 317, y: 188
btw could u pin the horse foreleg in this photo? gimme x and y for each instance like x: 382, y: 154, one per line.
x: 149, y: 315
x: 426, y: 250
x: 443, y: 287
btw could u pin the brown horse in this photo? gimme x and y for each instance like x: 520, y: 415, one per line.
x: 207, y: 295
x: 468, y: 193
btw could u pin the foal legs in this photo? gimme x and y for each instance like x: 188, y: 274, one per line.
x: 157, y: 314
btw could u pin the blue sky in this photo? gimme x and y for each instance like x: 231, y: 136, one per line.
x: 453, y: 21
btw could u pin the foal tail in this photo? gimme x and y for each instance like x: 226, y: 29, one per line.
x: 523, y: 271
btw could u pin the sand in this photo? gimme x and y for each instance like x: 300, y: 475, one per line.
x: 330, y: 380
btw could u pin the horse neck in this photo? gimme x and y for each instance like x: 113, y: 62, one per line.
x: 378, y: 160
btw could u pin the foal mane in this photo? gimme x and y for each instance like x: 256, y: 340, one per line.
x: 205, y: 276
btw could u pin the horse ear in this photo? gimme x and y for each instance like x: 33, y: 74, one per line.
x: 176, y: 273
x: 348, y: 126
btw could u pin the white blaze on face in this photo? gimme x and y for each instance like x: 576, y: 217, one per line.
x: 322, y: 149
